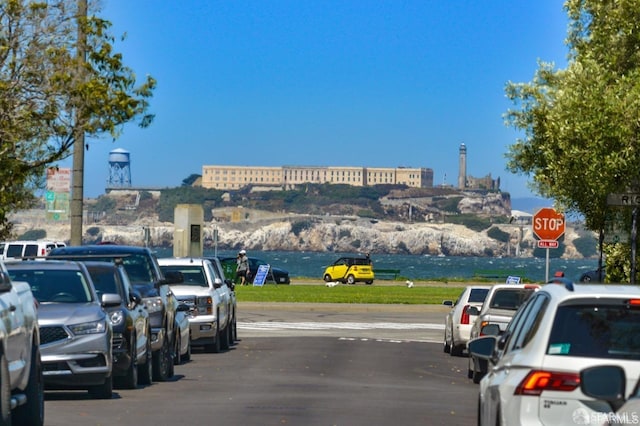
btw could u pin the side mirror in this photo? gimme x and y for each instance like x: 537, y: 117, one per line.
x: 473, y: 310
x: 110, y: 299
x: 490, y: 330
x: 604, y: 382
x: 483, y: 347
x: 230, y: 284
x: 447, y: 302
x: 135, y: 297
x: 173, y: 277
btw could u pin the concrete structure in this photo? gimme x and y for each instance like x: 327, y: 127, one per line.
x: 286, y: 177
x: 119, y: 169
x: 462, y: 167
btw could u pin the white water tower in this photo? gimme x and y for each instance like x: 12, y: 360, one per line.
x: 119, y: 169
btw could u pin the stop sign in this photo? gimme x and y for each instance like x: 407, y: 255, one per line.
x: 548, y: 224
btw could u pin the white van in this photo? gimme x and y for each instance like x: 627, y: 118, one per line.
x: 21, y: 249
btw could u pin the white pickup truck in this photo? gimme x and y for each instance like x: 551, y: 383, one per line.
x: 22, y: 393
x: 208, y: 296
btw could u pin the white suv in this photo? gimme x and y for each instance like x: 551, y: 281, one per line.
x: 458, y: 322
x: 534, y: 366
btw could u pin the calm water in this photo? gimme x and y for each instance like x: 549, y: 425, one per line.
x: 311, y: 264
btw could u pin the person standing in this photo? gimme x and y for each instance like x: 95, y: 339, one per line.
x: 242, y: 268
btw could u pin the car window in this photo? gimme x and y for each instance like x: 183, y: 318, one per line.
x: 478, y: 295
x: 193, y: 275
x: 104, y: 281
x: 137, y: 268
x: 530, y: 321
x: 596, y: 330
x: 509, y: 298
x: 14, y: 250
x: 509, y: 336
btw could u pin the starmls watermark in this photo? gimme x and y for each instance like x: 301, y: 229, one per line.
x: 582, y: 416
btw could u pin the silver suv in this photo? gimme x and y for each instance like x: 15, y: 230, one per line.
x: 535, y: 365
x: 75, y: 331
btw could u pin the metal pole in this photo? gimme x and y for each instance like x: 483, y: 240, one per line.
x: 77, y: 190
x: 546, y: 272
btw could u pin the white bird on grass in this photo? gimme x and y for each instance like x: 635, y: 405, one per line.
x: 409, y: 284
x: 332, y: 284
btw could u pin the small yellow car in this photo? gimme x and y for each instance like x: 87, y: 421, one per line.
x: 349, y: 270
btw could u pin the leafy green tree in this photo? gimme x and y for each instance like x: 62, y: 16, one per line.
x: 581, y: 125
x: 45, y: 89
x: 188, y: 181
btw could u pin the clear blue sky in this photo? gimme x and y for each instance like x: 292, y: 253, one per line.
x: 326, y: 83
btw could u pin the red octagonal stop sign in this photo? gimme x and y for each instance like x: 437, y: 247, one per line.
x: 548, y: 224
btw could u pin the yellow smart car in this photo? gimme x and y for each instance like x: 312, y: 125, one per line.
x: 349, y: 270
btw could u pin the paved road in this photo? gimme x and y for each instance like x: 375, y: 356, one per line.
x: 302, y: 365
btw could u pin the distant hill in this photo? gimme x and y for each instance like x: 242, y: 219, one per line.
x: 530, y: 204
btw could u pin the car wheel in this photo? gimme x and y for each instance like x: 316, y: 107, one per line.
x: 177, y: 359
x: 470, y: 368
x: 145, y: 371
x: 369, y: 282
x: 5, y: 391
x: 32, y: 412
x: 130, y: 379
x: 455, y: 350
x: 327, y: 278
x: 447, y: 346
x: 224, y: 341
x: 187, y: 355
x: 351, y: 279
x: 215, y: 346
x: 161, y: 360
x: 234, y: 331
x: 103, y: 391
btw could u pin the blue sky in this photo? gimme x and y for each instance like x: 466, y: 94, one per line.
x: 326, y: 83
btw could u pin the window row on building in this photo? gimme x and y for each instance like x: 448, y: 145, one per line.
x: 237, y: 177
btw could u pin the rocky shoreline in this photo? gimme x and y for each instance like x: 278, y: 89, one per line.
x: 290, y: 232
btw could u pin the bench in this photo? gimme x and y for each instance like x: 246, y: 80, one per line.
x: 386, y: 274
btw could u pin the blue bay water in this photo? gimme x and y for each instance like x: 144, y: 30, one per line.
x: 312, y: 264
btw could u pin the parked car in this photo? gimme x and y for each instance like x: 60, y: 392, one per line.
x: 535, y: 364
x: 132, y: 359
x: 22, y: 249
x: 595, y: 276
x: 183, y: 334
x: 500, y: 304
x: 276, y: 275
x: 144, y: 273
x: 208, y: 297
x: 458, y: 322
x: 75, y: 332
x: 350, y: 270
x: 22, y: 384
x: 233, y: 310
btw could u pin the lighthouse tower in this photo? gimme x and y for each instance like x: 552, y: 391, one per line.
x: 462, y: 165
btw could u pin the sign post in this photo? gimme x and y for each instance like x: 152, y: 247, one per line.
x: 548, y: 226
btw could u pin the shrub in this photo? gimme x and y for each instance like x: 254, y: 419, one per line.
x: 33, y: 234
x: 298, y: 227
x: 498, y: 234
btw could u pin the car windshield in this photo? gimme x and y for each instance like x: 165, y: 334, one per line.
x: 478, y: 295
x: 49, y: 285
x: 510, y: 298
x: 193, y: 275
x: 601, y: 331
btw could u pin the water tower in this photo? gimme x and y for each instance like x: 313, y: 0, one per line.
x: 119, y: 169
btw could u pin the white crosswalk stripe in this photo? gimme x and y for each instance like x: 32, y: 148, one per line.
x: 337, y: 326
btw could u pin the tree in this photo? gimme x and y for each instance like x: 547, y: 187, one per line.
x: 191, y: 179
x: 44, y: 89
x: 581, y: 124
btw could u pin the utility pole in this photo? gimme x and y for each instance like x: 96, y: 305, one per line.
x: 77, y: 177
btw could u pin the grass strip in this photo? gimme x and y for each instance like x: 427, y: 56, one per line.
x: 399, y: 294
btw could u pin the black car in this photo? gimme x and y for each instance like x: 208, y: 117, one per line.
x: 131, y: 345
x: 595, y: 276
x: 144, y: 273
x: 275, y: 275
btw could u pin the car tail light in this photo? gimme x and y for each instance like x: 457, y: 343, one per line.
x: 634, y: 302
x: 539, y: 380
x: 464, y: 319
x: 482, y: 324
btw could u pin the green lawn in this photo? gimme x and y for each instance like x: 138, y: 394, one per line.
x: 389, y: 294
